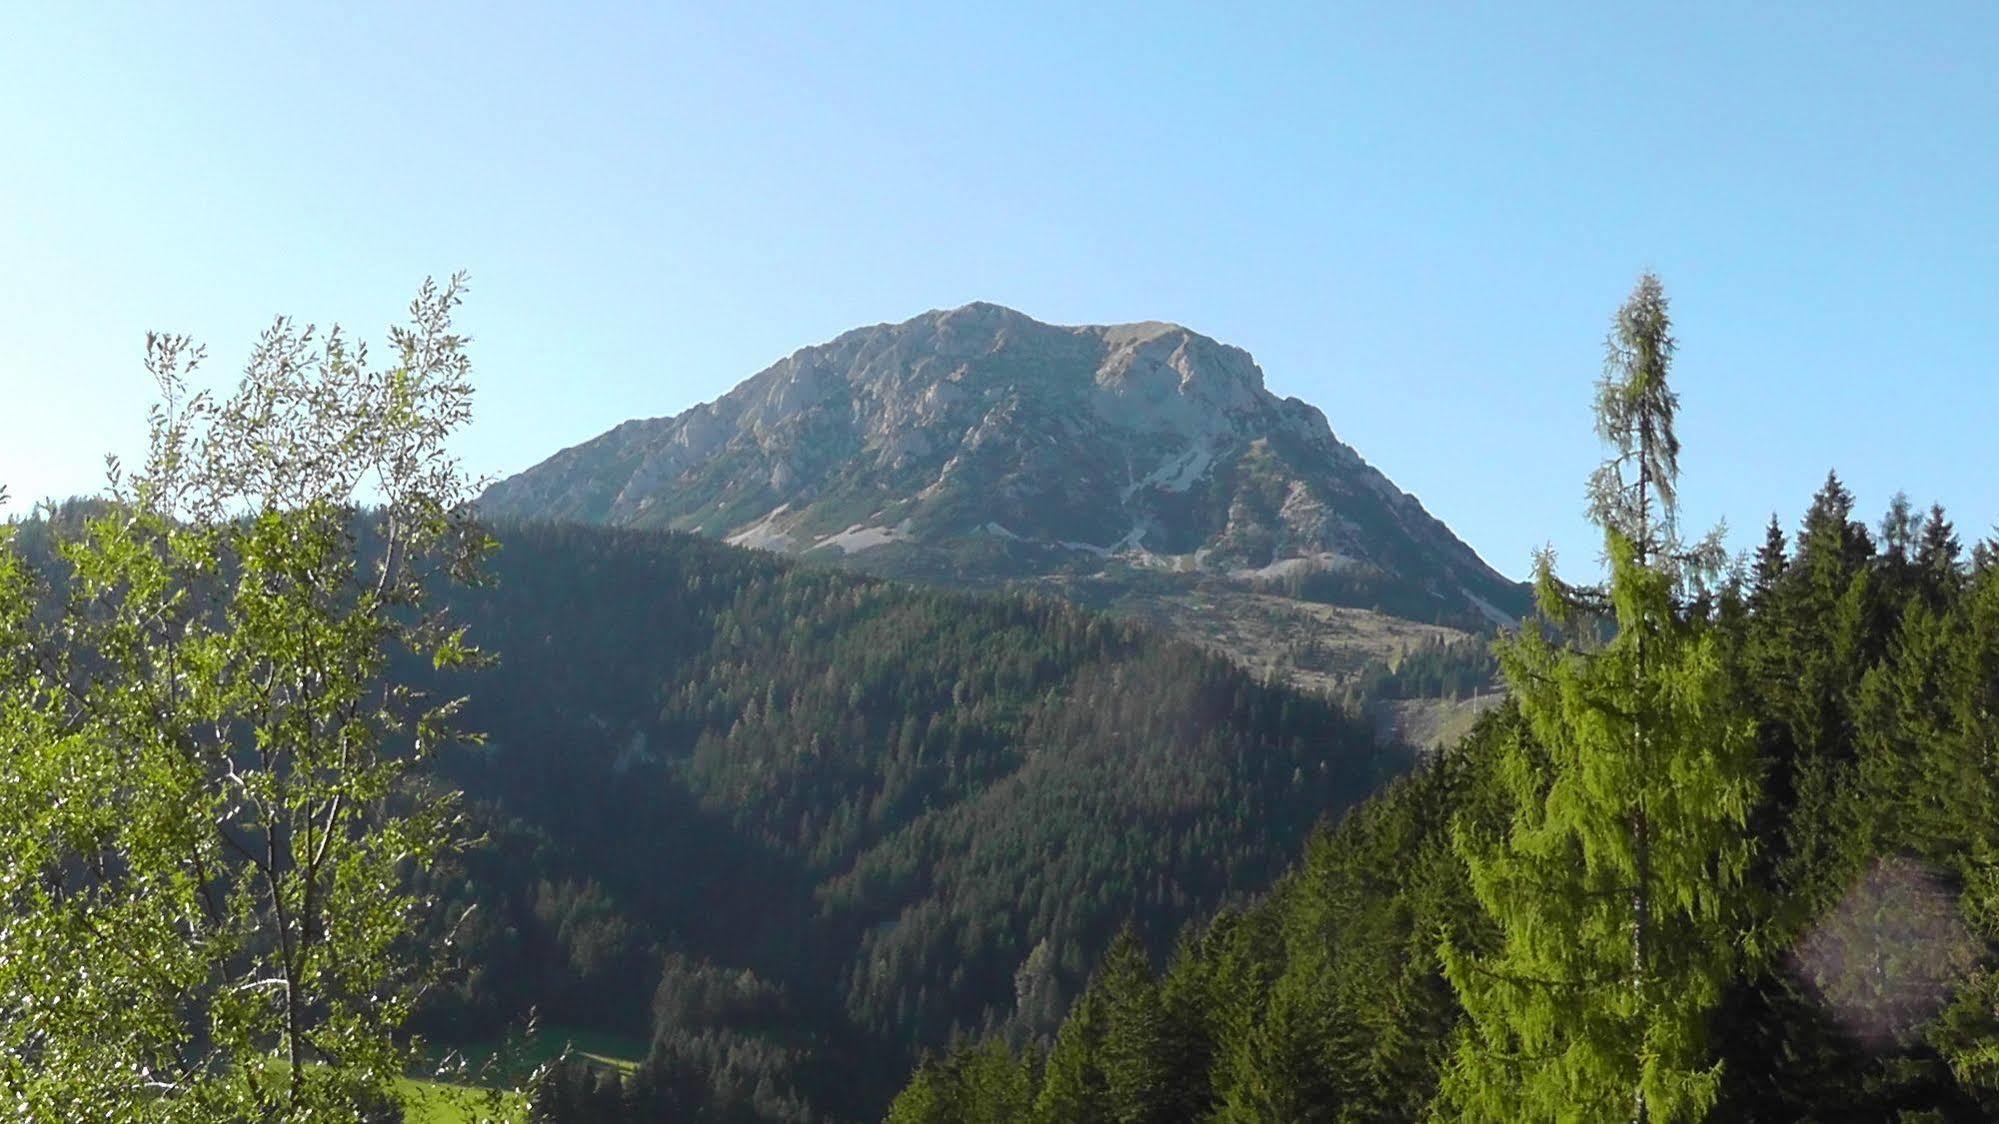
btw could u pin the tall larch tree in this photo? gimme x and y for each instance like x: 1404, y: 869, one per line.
x: 1617, y: 886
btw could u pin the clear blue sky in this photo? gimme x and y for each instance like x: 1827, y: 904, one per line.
x: 1418, y: 217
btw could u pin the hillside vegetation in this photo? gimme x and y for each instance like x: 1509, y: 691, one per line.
x: 795, y: 826
x: 1724, y: 853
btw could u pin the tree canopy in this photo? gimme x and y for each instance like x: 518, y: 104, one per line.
x: 213, y: 801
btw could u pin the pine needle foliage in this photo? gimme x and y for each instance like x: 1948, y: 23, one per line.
x: 1618, y: 883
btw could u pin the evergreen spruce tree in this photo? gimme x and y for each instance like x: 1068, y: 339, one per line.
x: 1184, y: 994
x: 1137, y: 1038
x: 1770, y: 564
x: 1279, y: 1071
x: 999, y: 1085
x: 1938, y: 557
x: 1901, y: 531
x: 1618, y: 886
x: 927, y: 1099
x: 1827, y: 630
x: 1073, y: 1087
x: 1969, y: 1031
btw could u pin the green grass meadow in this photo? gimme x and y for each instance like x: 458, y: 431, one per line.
x: 441, y: 1102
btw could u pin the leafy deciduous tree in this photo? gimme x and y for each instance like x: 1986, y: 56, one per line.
x: 210, y: 805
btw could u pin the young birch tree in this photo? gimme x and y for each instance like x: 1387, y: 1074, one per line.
x: 212, y: 810
x: 1617, y: 887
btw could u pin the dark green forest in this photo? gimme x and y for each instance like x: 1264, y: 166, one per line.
x: 792, y: 826
x: 1869, y: 662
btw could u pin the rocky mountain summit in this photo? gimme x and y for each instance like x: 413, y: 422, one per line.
x: 979, y: 446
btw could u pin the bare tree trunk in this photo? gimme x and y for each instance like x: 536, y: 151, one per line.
x: 1641, y: 830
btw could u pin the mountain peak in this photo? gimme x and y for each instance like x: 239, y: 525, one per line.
x: 981, y: 311
x: 1111, y: 354
x: 979, y: 444
x: 992, y: 312
x: 977, y: 315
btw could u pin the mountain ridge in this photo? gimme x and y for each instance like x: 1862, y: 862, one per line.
x: 979, y: 446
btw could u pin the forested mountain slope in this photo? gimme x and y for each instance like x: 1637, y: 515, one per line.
x: 798, y: 825
x: 1870, y: 665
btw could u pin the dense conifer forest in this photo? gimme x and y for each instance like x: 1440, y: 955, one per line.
x: 1870, y: 662
x: 791, y: 826
x: 1866, y: 661
x: 1725, y: 853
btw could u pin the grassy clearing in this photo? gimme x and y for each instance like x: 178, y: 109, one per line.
x: 432, y: 1102
x: 613, y: 1050
x: 440, y: 1102
x: 517, y: 1058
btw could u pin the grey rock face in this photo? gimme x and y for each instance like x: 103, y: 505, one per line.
x: 980, y: 445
